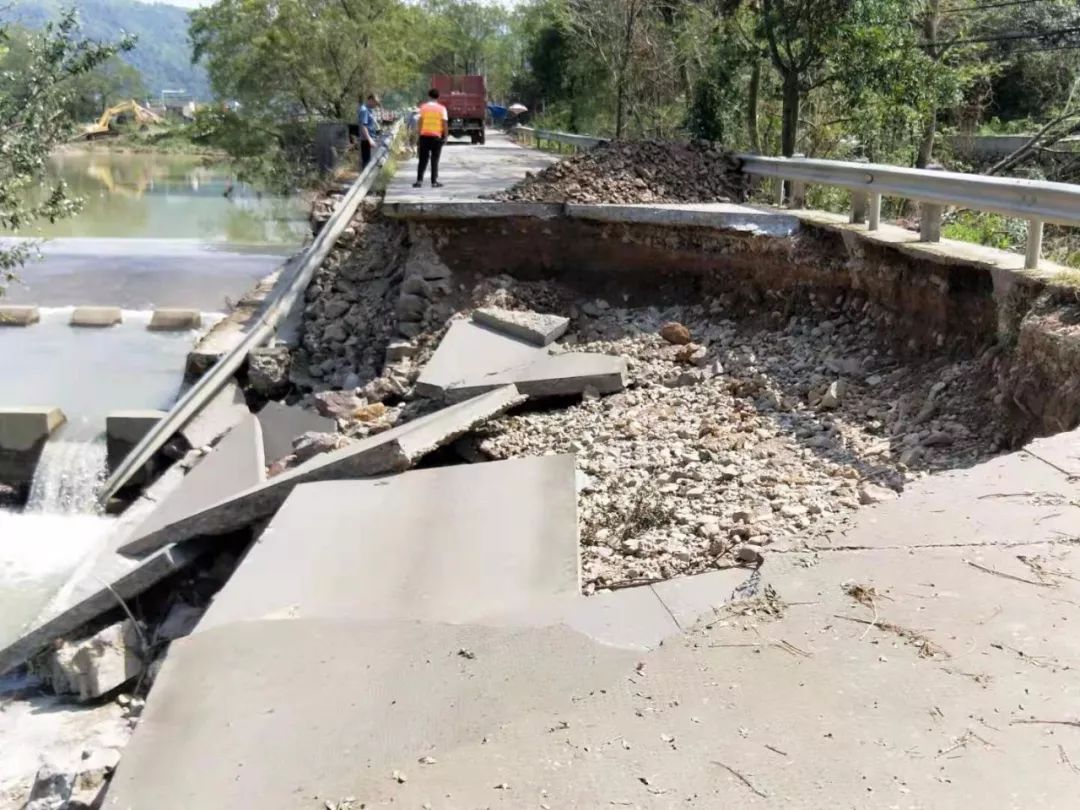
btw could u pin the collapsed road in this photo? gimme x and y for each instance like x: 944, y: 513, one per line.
x: 616, y: 503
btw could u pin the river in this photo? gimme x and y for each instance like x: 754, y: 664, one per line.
x: 155, y: 231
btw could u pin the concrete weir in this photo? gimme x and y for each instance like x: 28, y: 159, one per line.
x: 19, y: 315
x: 23, y: 433
x: 96, y: 317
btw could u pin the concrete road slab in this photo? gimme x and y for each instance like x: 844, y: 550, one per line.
x: 691, y: 599
x: 718, y: 216
x: 282, y: 423
x: 292, y: 715
x: 451, y: 544
x: 394, y: 450
x: 1015, y: 498
x: 468, y: 172
x: 1061, y: 451
x: 470, y: 352
x: 219, y: 415
x: 137, y: 580
x: 554, y: 376
x: 234, y: 465
x: 537, y: 328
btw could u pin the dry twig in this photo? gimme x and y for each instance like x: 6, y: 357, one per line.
x: 997, y: 573
x: 742, y: 779
x: 926, y: 647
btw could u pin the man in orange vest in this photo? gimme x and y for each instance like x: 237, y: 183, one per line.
x: 434, y: 128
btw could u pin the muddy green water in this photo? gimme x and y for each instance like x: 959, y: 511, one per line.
x: 164, y: 196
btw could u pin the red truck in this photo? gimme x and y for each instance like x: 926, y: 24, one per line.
x: 465, y: 99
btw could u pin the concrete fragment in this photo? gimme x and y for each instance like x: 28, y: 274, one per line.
x: 470, y: 352
x: 96, y: 317
x: 533, y: 327
x: 872, y: 493
x: 235, y: 464
x: 450, y: 544
x: 393, y: 450
x: 557, y: 375
x: 399, y: 350
x: 216, y: 418
x: 282, y: 424
x: 338, y: 404
x: 175, y: 320
x: 94, y: 666
x: 124, y: 430
x: 52, y: 788
x: 19, y: 316
x: 148, y: 573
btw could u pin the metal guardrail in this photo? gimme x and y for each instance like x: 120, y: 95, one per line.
x: 575, y: 142
x: 1036, y: 201
x: 288, y: 290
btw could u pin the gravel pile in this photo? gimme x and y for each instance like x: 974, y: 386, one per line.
x: 746, y: 434
x: 638, y: 172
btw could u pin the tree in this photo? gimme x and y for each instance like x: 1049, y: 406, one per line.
x: 37, y: 72
x: 107, y: 84
x: 800, y: 35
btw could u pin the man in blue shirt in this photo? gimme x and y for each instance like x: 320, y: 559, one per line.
x: 369, y: 128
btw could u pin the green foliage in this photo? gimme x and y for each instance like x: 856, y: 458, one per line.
x: 984, y: 228
x: 161, y: 52
x: 107, y: 84
x: 715, y: 109
x: 37, y: 74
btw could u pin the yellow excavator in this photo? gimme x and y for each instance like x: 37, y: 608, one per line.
x: 103, y: 127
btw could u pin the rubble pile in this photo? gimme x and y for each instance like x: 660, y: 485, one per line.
x: 638, y: 172
x: 732, y: 436
x: 349, y: 317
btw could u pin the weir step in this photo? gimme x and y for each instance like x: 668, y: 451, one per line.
x: 96, y: 317
x: 19, y: 316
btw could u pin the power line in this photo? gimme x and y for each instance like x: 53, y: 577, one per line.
x: 1006, y: 37
x: 988, y: 6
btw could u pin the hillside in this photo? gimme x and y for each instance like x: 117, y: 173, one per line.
x: 162, y: 54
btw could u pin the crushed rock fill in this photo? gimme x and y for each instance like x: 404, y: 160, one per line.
x: 638, y: 172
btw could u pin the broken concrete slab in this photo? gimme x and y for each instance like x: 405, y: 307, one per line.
x: 556, y: 375
x: 19, y: 316
x: 96, y: 317
x: 534, y: 327
x: 146, y: 574
x: 691, y: 598
x: 94, y: 666
x: 216, y: 418
x: 1061, y: 451
x: 394, y: 450
x: 124, y: 430
x: 342, y: 692
x: 235, y: 464
x: 470, y: 352
x: 175, y: 320
x: 282, y: 423
x: 451, y: 544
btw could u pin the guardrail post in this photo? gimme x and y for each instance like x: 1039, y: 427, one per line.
x: 930, y: 216
x: 874, y: 214
x: 860, y: 201
x: 1034, y: 244
x: 798, y: 188
x: 780, y: 192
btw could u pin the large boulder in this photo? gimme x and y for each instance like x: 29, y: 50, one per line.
x: 268, y: 371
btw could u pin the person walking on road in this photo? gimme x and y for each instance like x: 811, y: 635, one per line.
x: 369, y: 128
x: 434, y: 130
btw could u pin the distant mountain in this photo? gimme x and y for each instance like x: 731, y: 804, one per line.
x: 162, y: 53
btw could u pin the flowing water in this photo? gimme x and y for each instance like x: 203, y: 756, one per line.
x: 155, y: 230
